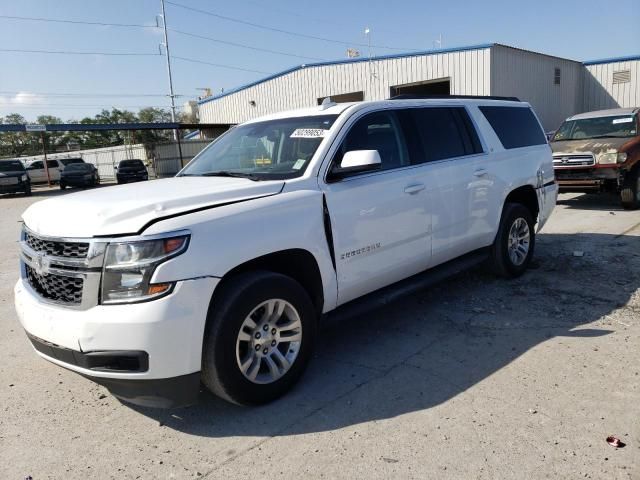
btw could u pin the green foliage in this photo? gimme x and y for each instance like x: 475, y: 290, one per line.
x: 14, y: 144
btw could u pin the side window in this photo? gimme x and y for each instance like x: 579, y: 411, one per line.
x: 37, y: 165
x: 52, y: 164
x: 377, y: 131
x: 515, y: 126
x: 442, y: 133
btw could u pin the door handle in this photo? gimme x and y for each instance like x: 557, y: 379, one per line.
x: 481, y: 172
x: 415, y: 188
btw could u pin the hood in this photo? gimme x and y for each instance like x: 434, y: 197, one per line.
x: 595, y: 145
x: 126, y: 209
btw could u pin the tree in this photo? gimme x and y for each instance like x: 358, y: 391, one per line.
x: 51, y: 139
x: 15, y: 144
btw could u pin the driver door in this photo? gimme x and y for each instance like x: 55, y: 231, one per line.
x: 380, y: 219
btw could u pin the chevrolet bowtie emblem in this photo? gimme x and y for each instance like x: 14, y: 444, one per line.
x: 41, y: 264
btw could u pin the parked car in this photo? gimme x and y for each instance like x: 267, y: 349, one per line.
x: 79, y: 175
x: 131, y: 171
x: 13, y: 177
x: 600, y: 151
x: 222, y: 273
x: 38, y: 174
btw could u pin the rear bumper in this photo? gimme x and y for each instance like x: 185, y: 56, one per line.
x: 76, y: 182
x: 15, y: 188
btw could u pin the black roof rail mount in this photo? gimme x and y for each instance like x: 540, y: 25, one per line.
x: 411, y: 96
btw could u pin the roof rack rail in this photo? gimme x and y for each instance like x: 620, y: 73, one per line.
x: 411, y: 96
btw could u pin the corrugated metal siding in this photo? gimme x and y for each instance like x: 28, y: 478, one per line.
x: 529, y: 76
x: 601, y: 93
x: 468, y: 70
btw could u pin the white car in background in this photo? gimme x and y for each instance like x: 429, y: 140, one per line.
x: 38, y: 174
x: 221, y: 274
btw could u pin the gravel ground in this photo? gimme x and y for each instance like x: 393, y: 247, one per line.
x: 474, y: 378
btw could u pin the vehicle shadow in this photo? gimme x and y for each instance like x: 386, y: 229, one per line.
x: 591, y: 201
x: 423, y: 350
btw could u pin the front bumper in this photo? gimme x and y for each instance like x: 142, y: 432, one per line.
x: 168, y: 331
x: 77, y: 181
x: 585, y: 178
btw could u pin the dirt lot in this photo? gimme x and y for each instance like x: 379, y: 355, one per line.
x: 475, y: 378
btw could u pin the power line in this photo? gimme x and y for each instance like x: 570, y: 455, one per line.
x: 240, y: 45
x: 194, y: 60
x: 86, y: 95
x: 77, y: 22
x: 286, y: 32
x: 68, y: 52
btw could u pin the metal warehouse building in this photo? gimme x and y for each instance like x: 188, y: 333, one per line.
x: 556, y: 87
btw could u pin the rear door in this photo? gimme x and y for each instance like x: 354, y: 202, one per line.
x: 380, y: 220
x: 36, y: 172
x: 458, y: 199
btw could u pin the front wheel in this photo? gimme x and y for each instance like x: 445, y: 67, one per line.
x: 630, y: 193
x: 513, y: 247
x: 62, y: 186
x: 260, y: 334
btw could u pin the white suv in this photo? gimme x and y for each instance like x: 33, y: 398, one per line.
x: 222, y: 273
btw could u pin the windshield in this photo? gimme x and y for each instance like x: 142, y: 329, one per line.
x: 78, y: 167
x: 11, y: 166
x: 619, y: 126
x: 131, y: 163
x: 274, y: 149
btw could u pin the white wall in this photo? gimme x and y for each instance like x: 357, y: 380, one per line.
x: 529, y: 76
x: 601, y: 93
x: 469, y: 72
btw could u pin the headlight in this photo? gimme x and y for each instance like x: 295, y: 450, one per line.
x: 24, y: 178
x: 129, y: 266
x: 622, y: 157
x: 608, y: 158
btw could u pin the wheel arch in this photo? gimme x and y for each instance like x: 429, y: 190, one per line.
x: 296, y: 263
x: 524, y: 195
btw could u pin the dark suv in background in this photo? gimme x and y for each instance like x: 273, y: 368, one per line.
x: 79, y: 175
x: 131, y: 171
x: 13, y: 177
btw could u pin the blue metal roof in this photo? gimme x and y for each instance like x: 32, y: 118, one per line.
x: 629, y: 58
x: 343, y: 61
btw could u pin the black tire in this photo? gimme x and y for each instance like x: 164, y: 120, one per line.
x: 630, y: 193
x: 500, y: 261
x: 27, y: 192
x: 62, y: 186
x: 238, y: 297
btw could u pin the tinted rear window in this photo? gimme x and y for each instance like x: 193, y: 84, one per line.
x: 515, y: 126
x: 442, y: 133
x: 131, y: 163
x: 11, y: 166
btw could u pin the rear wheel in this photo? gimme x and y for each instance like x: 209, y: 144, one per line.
x: 27, y: 192
x: 62, y: 186
x: 260, y: 332
x: 513, y: 247
x: 630, y: 193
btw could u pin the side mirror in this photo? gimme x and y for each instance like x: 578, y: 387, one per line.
x: 357, y: 161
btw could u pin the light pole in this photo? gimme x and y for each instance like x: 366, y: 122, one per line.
x: 166, y: 49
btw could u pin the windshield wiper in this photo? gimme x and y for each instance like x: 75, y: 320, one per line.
x: 228, y: 173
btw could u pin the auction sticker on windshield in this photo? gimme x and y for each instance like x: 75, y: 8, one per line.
x: 308, y: 133
x: 623, y: 120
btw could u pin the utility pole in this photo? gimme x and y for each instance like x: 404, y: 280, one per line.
x: 46, y: 162
x: 166, y: 49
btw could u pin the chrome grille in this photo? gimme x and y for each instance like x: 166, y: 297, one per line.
x: 58, y: 288
x: 572, y: 160
x: 57, y: 248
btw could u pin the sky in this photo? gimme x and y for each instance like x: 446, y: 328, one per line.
x: 74, y: 86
